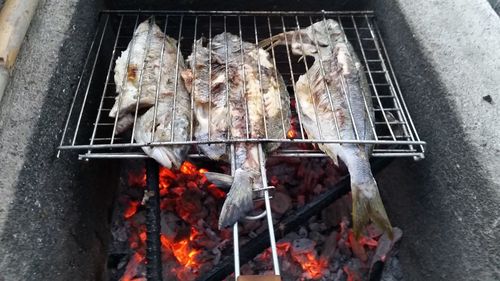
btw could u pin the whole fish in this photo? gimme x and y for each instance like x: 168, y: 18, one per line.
x: 245, y: 103
x: 141, y: 60
x: 151, y: 70
x: 335, y: 103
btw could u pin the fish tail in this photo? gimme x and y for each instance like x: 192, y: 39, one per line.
x: 239, y: 200
x: 367, y: 205
x: 274, y: 40
x: 159, y: 154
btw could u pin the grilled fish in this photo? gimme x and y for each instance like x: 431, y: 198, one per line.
x: 151, y: 70
x: 141, y: 60
x: 251, y: 101
x: 335, y: 103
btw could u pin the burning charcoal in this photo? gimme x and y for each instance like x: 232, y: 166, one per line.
x: 302, y: 232
x: 119, y: 233
x: 318, y: 189
x: 344, y: 248
x: 247, y: 269
x: 135, y: 267
x: 250, y: 226
x: 392, y: 271
x: 302, y: 246
x: 385, y: 245
x: 281, y: 203
x: 301, y: 201
x: 317, y: 237
x: 169, y: 223
x: 329, y: 246
x: 357, y: 248
x: 352, y: 274
x: 373, y: 231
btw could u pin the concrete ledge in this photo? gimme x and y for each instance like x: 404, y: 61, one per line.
x: 446, y: 57
x: 52, y: 224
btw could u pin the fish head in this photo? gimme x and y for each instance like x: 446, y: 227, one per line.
x: 302, y: 44
x: 316, y: 39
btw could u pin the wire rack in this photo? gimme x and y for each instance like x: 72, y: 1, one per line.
x: 90, y: 129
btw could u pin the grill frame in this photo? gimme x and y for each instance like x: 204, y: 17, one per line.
x: 362, y: 29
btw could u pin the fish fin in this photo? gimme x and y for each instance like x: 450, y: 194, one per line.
x: 124, y: 123
x: 160, y: 155
x: 368, y: 207
x: 239, y: 200
x: 330, y: 153
x: 276, y: 40
x: 220, y: 180
x: 188, y: 78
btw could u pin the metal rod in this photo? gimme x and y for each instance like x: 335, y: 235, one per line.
x: 242, y: 52
x: 193, y: 86
x: 141, y: 76
x: 124, y: 79
x: 370, y: 75
x: 158, y: 82
x: 309, y: 83
x: 98, y: 117
x: 277, y: 80
x: 90, y: 80
x: 385, y: 84
x: 227, y: 12
x: 324, y: 75
x: 396, y: 86
x: 87, y: 59
x: 153, y: 247
x: 261, y: 89
x: 297, y: 105
x: 178, y: 58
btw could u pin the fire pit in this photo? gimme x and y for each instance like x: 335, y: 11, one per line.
x: 169, y: 217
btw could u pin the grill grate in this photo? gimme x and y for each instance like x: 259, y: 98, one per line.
x: 90, y: 129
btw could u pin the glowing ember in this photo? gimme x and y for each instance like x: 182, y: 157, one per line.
x: 132, y: 267
x: 313, y: 265
x: 351, y: 274
x: 183, y: 250
x: 292, y: 134
x: 131, y: 210
x: 188, y: 168
x: 137, y: 179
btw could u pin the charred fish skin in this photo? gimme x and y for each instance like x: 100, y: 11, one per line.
x: 138, y: 69
x: 335, y: 103
x: 254, y: 105
x: 150, y: 73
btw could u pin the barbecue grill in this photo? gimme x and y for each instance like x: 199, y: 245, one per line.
x: 90, y: 131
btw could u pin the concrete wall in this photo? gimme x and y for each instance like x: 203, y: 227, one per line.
x: 52, y: 211
x: 446, y: 57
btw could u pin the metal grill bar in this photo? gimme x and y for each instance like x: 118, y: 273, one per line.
x: 90, y: 128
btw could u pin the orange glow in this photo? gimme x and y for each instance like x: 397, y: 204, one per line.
x: 202, y: 171
x: 182, y: 250
x: 188, y: 168
x: 131, y: 210
x: 291, y: 134
x: 309, y: 262
x: 143, y: 236
x: 366, y: 241
x: 314, y: 266
x: 216, y: 192
x: 351, y: 274
x: 130, y: 272
x: 137, y: 179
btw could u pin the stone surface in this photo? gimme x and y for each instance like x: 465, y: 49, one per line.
x: 446, y: 57
x: 495, y: 4
x: 52, y: 217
